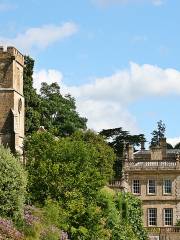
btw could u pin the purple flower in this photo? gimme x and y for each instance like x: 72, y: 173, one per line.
x: 8, y: 230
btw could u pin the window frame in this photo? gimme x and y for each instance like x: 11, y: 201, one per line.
x: 149, y: 218
x: 165, y: 187
x: 170, y: 219
x: 136, y: 186
x: 155, y: 187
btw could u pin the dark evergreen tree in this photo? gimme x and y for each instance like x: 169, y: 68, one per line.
x: 32, y: 99
x: 117, y: 138
x: 177, y: 146
x: 169, y: 146
x: 158, y: 134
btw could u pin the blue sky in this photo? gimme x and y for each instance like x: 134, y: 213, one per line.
x: 118, y: 58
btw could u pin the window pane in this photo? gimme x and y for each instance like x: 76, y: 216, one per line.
x: 152, y: 216
x: 136, y: 186
x: 151, y: 186
x: 167, y: 186
x: 168, y: 216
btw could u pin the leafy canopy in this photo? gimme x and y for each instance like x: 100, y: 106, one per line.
x: 58, y: 168
x: 57, y: 113
x: 71, y: 171
x: 117, y: 138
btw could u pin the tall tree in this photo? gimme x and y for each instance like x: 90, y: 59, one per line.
x: 117, y: 138
x: 32, y: 99
x: 169, y: 146
x: 57, y: 167
x: 158, y: 133
x: 177, y: 146
x: 58, y: 113
x: 50, y: 109
x: 70, y: 170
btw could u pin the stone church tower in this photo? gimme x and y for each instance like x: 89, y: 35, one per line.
x: 11, y: 99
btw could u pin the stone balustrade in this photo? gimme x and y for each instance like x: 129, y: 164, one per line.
x: 148, y: 165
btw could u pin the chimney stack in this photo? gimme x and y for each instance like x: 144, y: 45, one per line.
x: 163, y: 146
x: 130, y: 152
x: 142, y: 145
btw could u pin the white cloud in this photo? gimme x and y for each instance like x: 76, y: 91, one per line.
x: 173, y: 141
x: 48, y: 76
x: 112, y: 2
x: 41, y: 37
x: 105, y: 101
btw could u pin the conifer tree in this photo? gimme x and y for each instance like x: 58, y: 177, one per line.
x: 158, y: 133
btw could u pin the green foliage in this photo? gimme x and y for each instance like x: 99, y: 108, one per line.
x: 32, y: 99
x: 12, y: 185
x: 58, y: 113
x: 122, y: 213
x: 71, y: 171
x: 134, y: 213
x: 158, y: 133
x: 50, y: 109
x: 67, y: 168
x: 67, y: 172
x: 177, y: 223
x: 117, y: 138
x: 169, y: 146
x: 177, y: 146
x: 33, y: 232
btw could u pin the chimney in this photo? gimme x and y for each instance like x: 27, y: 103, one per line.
x: 163, y: 146
x: 130, y: 152
x: 142, y: 145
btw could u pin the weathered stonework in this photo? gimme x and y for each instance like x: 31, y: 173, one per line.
x: 157, y: 164
x: 11, y: 99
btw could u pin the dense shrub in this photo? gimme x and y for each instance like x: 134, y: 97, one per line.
x: 67, y: 169
x: 12, y: 185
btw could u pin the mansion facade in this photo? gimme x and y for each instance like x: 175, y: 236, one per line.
x: 154, y: 177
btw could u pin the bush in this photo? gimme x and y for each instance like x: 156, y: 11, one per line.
x: 8, y: 231
x: 12, y: 185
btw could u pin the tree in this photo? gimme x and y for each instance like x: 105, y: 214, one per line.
x: 50, y: 109
x: 122, y: 215
x: 117, y: 138
x: 32, y: 99
x: 134, y: 215
x: 158, y: 134
x: 71, y: 171
x: 58, y: 167
x: 177, y: 146
x: 58, y: 113
x: 169, y: 146
x: 12, y: 185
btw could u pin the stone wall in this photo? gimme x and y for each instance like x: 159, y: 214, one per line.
x: 11, y: 98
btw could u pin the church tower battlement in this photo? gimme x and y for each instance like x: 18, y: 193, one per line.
x: 11, y: 99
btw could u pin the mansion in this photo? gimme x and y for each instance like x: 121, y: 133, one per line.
x: 154, y: 177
